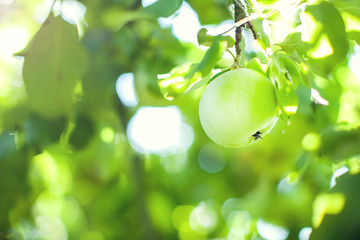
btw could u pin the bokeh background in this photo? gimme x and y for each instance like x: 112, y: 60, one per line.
x: 115, y: 160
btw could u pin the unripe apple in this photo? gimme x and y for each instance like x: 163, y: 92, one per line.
x: 238, y: 108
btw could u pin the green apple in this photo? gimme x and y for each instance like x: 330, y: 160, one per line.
x: 238, y: 108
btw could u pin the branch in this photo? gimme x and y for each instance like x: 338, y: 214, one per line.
x: 240, y: 14
x: 137, y: 165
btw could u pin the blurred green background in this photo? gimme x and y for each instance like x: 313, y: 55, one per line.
x: 91, y: 150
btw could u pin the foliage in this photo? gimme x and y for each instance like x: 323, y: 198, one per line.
x: 72, y: 168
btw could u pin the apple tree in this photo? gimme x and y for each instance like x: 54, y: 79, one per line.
x: 179, y: 119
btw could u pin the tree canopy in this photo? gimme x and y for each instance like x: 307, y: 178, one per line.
x: 100, y: 136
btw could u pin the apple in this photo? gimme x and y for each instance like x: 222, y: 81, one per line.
x: 238, y: 108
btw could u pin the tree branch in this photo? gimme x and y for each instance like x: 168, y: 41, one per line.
x: 240, y: 14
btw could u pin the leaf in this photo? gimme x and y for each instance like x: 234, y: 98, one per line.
x: 350, y: 6
x: 118, y: 18
x: 262, y: 35
x: 354, y: 35
x: 163, y: 8
x: 210, y: 12
x: 23, y: 52
x: 40, y: 131
x: 83, y: 132
x: 340, y: 142
x: 292, y: 69
x: 176, y: 83
x: 54, y: 62
x: 324, y: 30
x: 293, y: 43
x: 207, y: 40
x: 345, y: 223
x: 256, y: 65
x: 284, y: 90
x: 188, y: 77
x: 14, y: 184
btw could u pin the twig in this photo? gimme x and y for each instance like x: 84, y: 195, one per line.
x: 240, y: 14
x: 241, y: 22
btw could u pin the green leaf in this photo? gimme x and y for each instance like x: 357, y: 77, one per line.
x: 14, y: 184
x: 256, y: 65
x: 340, y: 142
x: 118, y: 18
x: 293, y: 43
x: 284, y: 90
x: 83, y: 132
x: 23, y: 52
x: 163, y: 8
x: 350, y: 6
x: 176, y: 83
x: 262, y: 36
x: 354, y: 35
x: 188, y: 77
x: 292, y: 69
x: 207, y: 40
x: 54, y: 62
x: 324, y: 30
x: 343, y: 224
x: 40, y: 131
x: 211, y: 12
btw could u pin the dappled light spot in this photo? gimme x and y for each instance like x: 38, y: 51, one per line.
x: 290, y: 109
x: 175, y: 162
x: 317, y: 98
x: 146, y: 3
x: 230, y: 205
x: 73, y: 11
x: 239, y: 224
x: 186, y: 233
x: 51, y: 173
x: 310, y: 27
x: 285, y: 185
x: 203, y: 218
x: 71, y: 213
x: 269, y: 51
x: 43, y: 168
x: 327, y: 204
x: 180, y: 216
x: 271, y: 231
x: 12, y: 39
x: 210, y: 159
x: 107, y: 135
x: 159, y: 130
x: 304, y: 233
x: 311, y: 141
x: 185, y: 24
x: 349, y: 111
x: 160, y: 210
x: 125, y: 89
x: 51, y: 228
x: 322, y: 48
x: 6, y: 2
x: 336, y: 174
x: 354, y: 62
x: 48, y: 204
